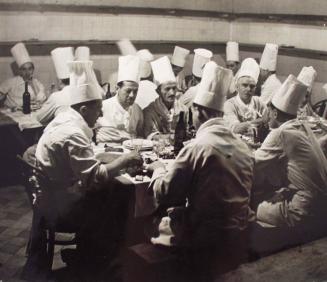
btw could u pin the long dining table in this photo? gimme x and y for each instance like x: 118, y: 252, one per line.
x: 17, y: 133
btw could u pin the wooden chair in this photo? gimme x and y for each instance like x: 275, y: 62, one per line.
x: 35, y: 182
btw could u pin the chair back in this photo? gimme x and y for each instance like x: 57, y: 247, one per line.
x: 31, y: 177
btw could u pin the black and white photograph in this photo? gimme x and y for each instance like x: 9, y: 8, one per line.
x: 163, y: 141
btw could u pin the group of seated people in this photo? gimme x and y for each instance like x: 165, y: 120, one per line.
x: 205, y: 200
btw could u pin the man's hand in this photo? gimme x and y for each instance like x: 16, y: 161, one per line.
x: 155, y: 165
x: 242, y: 127
x: 132, y: 158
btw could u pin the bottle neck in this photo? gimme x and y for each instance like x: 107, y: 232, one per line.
x: 26, y: 86
x: 181, y: 117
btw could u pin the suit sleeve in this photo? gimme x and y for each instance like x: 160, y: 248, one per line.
x: 171, y: 188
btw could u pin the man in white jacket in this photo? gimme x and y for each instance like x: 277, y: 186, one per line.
x: 12, y: 89
x: 122, y: 117
x: 291, y: 159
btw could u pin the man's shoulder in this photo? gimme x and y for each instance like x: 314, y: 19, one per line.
x: 36, y: 80
x: 257, y: 101
x: 136, y: 107
x: 231, y: 100
x: 230, y: 104
x: 149, y: 108
x: 12, y: 80
x: 109, y: 101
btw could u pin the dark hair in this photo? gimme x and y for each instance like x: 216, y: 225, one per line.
x: 91, y: 103
x: 281, y: 116
x: 65, y: 81
x: 210, y: 112
x: 121, y: 83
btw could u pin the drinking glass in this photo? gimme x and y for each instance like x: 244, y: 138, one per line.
x: 137, y: 144
x: 159, y: 146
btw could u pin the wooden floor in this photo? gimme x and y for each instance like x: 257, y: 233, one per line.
x: 307, y: 263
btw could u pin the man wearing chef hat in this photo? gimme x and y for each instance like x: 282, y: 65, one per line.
x: 232, y: 56
x: 122, y: 117
x: 161, y: 116
x: 178, y: 61
x: 232, y: 63
x: 268, y: 80
x: 125, y: 47
x: 12, y: 89
x: 59, y: 100
x: 291, y: 149
x: 206, y: 174
x: 64, y: 153
x: 201, y: 57
x: 245, y: 110
x: 307, y: 76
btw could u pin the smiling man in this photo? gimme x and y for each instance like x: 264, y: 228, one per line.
x: 122, y: 118
x: 245, y: 110
x: 11, y: 90
x: 161, y: 116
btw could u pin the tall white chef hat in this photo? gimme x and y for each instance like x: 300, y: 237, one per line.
x: 128, y: 68
x: 20, y: 54
x: 269, y: 57
x: 162, y: 71
x: 307, y: 76
x: 232, y: 51
x: 201, y: 57
x: 83, y: 83
x: 290, y: 95
x: 82, y: 53
x: 249, y: 67
x: 146, y: 57
x: 60, y: 57
x: 179, y: 56
x: 126, y: 47
x: 214, y: 86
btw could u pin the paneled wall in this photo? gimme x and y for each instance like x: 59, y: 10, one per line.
x: 297, y: 26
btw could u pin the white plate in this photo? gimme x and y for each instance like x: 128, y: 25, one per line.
x: 143, y: 143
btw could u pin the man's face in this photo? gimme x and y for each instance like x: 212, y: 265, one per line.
x: 245, y: 87
x: 273, y: 123
x: 198, y: 116
x: 26, y: 71
x: 233, y: 66
x: 168, y: 93
x: 126, y: 94
x: 92, y: 113
x: 176, y: 69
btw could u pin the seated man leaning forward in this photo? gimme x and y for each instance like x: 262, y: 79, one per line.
x: 245, y: 110
x: 76, y: 189
x: 302, y: 196
x: 12, y: 89
x: 161, y: 116
x: 122, y: 118
x: 210, y: 181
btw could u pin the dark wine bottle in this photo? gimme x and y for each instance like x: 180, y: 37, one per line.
x: 26, y: 100
x: 180, y: 133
